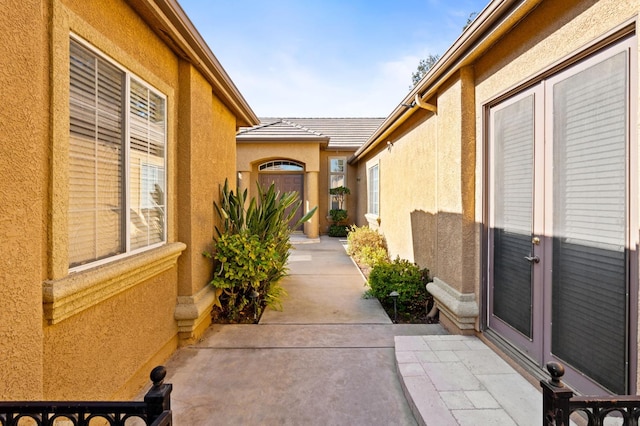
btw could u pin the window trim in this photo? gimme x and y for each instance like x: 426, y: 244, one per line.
x: 126, y: 162
x: 330, y: 174
x: 370, y: 190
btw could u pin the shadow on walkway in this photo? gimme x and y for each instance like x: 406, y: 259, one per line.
x: 327, y: 359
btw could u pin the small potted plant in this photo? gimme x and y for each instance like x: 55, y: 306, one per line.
x: 338, y: 216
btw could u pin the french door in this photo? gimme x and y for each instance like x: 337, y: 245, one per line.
x: 559, y: 220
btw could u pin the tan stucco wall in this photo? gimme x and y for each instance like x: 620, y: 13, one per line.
x: 426, y: 205
x: 23, y: 185
x: 97, y: 332
x: 408, y: 204
x: 538, y: 41
x: 89, y: 355
x: 206, y: 157
x: 250, y: 155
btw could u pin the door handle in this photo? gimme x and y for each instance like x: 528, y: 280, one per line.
x: 532, y: 259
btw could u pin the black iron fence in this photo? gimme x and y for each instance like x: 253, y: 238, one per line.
x: 155, y: 410
x: 559, y: 403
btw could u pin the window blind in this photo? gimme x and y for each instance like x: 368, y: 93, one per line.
x: 146, y: 142
x: 513, y: 143
x: 589, y: 221
x: 95, y: 158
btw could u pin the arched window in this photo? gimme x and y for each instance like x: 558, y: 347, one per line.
x: 281, y: 166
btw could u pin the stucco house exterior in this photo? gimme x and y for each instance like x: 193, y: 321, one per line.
x: 118, y: 125
x: 511, y: 172
x: 307, y: 155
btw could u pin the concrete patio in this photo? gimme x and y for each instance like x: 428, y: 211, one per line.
x: 333, y: 358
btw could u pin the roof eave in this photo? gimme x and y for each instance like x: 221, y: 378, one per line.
x: 172, y: 24
x: 279, y: 139
x: 495, y: 20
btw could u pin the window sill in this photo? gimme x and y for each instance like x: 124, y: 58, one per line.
x: 373, y: 220
x: 79, y: 291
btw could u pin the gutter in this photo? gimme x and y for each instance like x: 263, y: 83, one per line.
x: 492, y: 23
x: 172, y: 24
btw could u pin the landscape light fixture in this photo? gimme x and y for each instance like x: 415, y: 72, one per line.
x: 254, y: 297
x: 394, y: 294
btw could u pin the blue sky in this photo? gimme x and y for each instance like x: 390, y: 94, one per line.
x: 326, y: 58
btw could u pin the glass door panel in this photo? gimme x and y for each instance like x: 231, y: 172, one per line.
x: 513, y: 184
x: 589, y: 275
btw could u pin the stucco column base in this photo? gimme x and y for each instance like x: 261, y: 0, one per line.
x: 458, y: 311
x: 193, y: 314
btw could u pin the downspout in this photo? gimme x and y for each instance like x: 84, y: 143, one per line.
x: 424, y: 105
x: 419, y: 101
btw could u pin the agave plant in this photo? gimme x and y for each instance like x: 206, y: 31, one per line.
x: 266, y: 220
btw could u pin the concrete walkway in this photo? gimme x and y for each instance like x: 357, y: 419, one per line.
x: 332, y: 357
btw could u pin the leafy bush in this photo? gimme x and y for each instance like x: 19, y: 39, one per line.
x: 338, y: 215
x: 401, y: 276
x: 252, y: 248
x: 245, y: 264
x: 371, y: 256
x: 338, y: 230
x: 361, y: 237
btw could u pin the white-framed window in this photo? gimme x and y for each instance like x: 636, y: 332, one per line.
x: 281, y: 166
x: 373, y: 190
x: 337, y: 177
x: 117, y: 160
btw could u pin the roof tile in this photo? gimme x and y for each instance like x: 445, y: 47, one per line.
x: 342, y: 132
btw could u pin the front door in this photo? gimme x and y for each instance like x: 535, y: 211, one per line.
x: 559, y: 220
x: 286, y: 182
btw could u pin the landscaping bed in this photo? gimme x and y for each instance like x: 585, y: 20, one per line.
x: 406, y: 280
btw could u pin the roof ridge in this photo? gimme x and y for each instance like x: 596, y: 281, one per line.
x: 299, y: 126
x: 261, y: 125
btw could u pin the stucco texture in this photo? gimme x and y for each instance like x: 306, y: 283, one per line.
x: 102, y: 345
x: 206, y: 157
x: 88, y: 355
x: 537, y: 42
x: 426, y: 188
x: 23, y: 184
x: 408, y: 205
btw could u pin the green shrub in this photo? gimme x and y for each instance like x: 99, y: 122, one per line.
x: 244, y: 264
x: 361, y: 237
x: 371, y: 256
x: 338, y: 230
x: 252, y: 248
x: 338, y: 215
x: 402, y: 276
